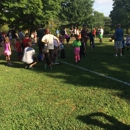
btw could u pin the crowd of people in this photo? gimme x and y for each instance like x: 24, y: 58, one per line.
x: 49, y: 45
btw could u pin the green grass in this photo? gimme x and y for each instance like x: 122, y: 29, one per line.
x: 67, y: 98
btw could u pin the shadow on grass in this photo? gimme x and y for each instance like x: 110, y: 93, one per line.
x: 94, y: 61
x: 110, y: 123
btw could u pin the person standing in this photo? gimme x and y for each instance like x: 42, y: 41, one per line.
x: 91, y: 38
x: 82, y: 49
x: 40, y: 34
x: 48, y: 40
x: 76, y: 44
x: 7, y: 50
x: 18, y: 48
x: 94, y: 33
x: 84, y: 34
x: 128, y: 42
x: 21, y: 34
x: 14, y: 36
x: 118, y: 40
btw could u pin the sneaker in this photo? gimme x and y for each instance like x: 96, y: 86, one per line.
x: 115, y: 55
x: 9, y: 64
x: 30, y: 67
x: 26, y: 67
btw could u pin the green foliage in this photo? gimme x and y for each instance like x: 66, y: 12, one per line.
x: 76, y: 12
x: 120, y: 13
x: 98, y: 19
x: 22, y: 12
x: 107, y: 30
x: 4, y: 28
x: 29, y: 13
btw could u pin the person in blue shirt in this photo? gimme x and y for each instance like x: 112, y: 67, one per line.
x: 118, y: 40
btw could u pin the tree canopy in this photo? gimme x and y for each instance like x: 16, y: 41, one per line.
x: 30, y: 13
x: 76, y: 12
x: 120, y: 13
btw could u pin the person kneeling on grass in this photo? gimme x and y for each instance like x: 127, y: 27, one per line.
x: 29, y: 56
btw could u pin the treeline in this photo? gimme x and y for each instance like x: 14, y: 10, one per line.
x: 120, y: 14
x: 52, y: 13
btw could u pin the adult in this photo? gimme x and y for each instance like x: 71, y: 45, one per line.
x: 84, y: 34
x: 21, y: 34
x: 14, y: 36
x: 118, y: 40
x: 40, y: 34
x: 48, y: 40
x: 29, y: 56
x: 91, y: 38
x: 63, y: 34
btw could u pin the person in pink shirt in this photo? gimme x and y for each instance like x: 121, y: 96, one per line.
x: 7, y: 50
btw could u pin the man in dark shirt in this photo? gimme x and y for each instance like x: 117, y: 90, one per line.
x: 14, y: 36
x: 40, y: 34
x: 84, y: 34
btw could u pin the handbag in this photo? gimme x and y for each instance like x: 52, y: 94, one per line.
x: 45, y: 49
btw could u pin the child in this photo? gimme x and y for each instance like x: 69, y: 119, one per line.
x: 19, y: 48
x: 128, y: 42
x: 82, y: 48
x: 76, y: 44
x: 7, y: 50
x: 26, y: 40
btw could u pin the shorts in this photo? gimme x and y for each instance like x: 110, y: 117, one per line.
x: 7, y: 53
x: 118, y: 44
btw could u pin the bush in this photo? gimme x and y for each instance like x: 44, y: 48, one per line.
x: 4, y: 28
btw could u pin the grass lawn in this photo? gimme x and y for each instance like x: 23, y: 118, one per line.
x: 67, y: 97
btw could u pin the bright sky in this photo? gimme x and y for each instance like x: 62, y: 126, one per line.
x: 103, y: 6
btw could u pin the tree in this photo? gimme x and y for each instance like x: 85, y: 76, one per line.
x: 21, y: 12
x: 76, y: 12
x: 120, y: 13
x: 29, y: 13
x: 98, y: 19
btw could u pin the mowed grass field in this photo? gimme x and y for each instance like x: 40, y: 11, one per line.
x: 67, y: 97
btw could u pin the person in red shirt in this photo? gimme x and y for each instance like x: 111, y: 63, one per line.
x: 94, y: 32
x: 19, y: 48
x: 26, y: 40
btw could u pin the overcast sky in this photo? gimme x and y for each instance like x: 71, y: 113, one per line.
x: 103, y: 6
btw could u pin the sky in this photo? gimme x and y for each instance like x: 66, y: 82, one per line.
x: 103, y: 6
